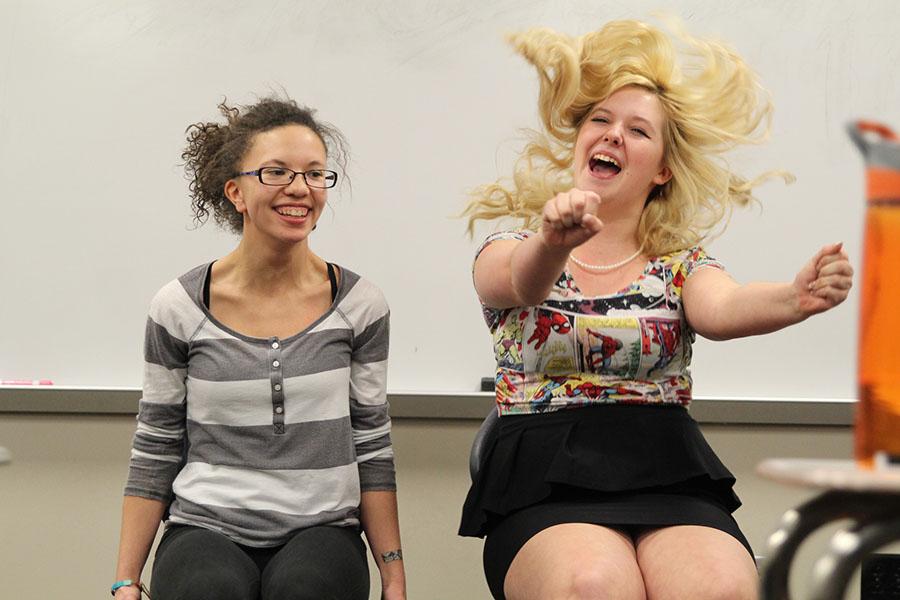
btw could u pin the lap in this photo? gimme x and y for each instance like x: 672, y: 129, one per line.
x: 575, y: 560
x: 690, y: 561
x: 632, y: 513
x: 195, y: 563
x: 318, y: 562
x: 583, y: 560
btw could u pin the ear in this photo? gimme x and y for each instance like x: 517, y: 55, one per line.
x: 663, y: 176
x: 234, y: 195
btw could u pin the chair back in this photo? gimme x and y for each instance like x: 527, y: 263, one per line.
x: 485, y: 436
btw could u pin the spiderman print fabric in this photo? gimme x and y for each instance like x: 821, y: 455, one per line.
x: 633, y: 346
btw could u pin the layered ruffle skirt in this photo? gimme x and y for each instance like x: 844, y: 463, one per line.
x: 631, y: 467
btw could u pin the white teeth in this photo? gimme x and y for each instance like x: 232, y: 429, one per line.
x: 607, y: 159
x: 290, y: 211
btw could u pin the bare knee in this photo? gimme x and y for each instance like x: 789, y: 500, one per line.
x: 575, y: 561
x: 581, y: 583
x: 696, y: 562
x: 714, y: 581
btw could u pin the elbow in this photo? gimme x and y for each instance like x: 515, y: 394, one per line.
x: 711, y: 327
x: 724, y: 330
x: 716, y: 336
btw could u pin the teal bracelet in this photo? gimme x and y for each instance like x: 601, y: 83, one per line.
x: 124, y: 583
x: 120, y: 584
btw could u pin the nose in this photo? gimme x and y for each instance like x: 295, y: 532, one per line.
x: 612, y: 136
x: 298, y: 186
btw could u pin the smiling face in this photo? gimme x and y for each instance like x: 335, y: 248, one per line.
x: 286, y: 213
x: 619, y: 150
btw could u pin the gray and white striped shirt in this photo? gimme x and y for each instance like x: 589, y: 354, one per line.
x: 257, y: 438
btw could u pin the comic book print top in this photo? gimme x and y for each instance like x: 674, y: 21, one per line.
x: 633, y: 346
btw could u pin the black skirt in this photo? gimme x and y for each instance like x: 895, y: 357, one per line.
x: 631, y: 467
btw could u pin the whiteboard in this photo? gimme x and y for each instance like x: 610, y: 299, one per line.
x: 95, y: 96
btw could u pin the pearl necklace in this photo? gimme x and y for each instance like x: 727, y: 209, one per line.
x: 604, y: 268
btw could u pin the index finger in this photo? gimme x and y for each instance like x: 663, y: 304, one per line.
x: 829, y: 254
x: 591, y: 203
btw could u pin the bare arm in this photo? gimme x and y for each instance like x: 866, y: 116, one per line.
x: 521, y: 273
x: 719, y: 308
x: 140, y: 521
x: 378, y: 514
x: 517, y: 273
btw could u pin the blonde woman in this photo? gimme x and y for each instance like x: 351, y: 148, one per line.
x: 599, y: 483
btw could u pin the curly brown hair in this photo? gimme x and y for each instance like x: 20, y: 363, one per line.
x: 214, y: 151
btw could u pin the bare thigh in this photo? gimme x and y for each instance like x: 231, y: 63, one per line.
x: 701, y: 563
x: 577, y: 561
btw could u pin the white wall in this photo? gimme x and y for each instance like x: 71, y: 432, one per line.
x: 95, y: 96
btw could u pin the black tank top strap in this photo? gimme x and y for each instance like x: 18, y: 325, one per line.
x: 332, y: 276
x: 206, y: 286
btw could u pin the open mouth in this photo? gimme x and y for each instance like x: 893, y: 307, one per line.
x: 604, y: 166
x: 292, y: 211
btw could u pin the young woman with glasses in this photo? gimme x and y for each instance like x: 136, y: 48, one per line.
x: 263, y: 433
x: 599, y: 484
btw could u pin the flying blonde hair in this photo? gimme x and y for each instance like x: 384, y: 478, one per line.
x: 713, y: 102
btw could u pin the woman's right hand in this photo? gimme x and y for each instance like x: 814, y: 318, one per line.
x: 570, y: 219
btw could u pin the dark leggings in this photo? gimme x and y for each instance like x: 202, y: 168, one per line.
x: 318, y: 563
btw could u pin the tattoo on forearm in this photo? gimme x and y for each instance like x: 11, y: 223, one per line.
x: 392, y: 555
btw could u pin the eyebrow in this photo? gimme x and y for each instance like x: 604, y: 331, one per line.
x: 281, y: 163
x: 605, y: 111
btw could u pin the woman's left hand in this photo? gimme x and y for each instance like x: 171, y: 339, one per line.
x: 824, y: 281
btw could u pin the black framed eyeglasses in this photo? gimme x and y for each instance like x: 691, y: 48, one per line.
x: 314, y: 178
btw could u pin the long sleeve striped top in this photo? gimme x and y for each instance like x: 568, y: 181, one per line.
x: 259, y: 438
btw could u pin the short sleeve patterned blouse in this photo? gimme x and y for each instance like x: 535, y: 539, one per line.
x: 633, y: 346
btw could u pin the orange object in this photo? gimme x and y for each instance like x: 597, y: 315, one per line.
x: 877, y: 427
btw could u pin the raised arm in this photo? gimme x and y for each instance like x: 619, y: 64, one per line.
x: 522, y: 272
x: 718, y: 308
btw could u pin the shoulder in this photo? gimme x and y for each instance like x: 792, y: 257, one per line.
x: 512, y: 234
x: 177, y: 306
x: 688, y: 260
x: 184, y: 290
x: 679, y: 265
x: 360, y: 300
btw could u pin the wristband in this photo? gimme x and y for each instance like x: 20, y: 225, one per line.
x: 121, y: 584
x: 127, y: 583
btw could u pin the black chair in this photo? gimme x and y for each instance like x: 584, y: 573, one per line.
x: 487, y: 432
x: 870, y: 499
